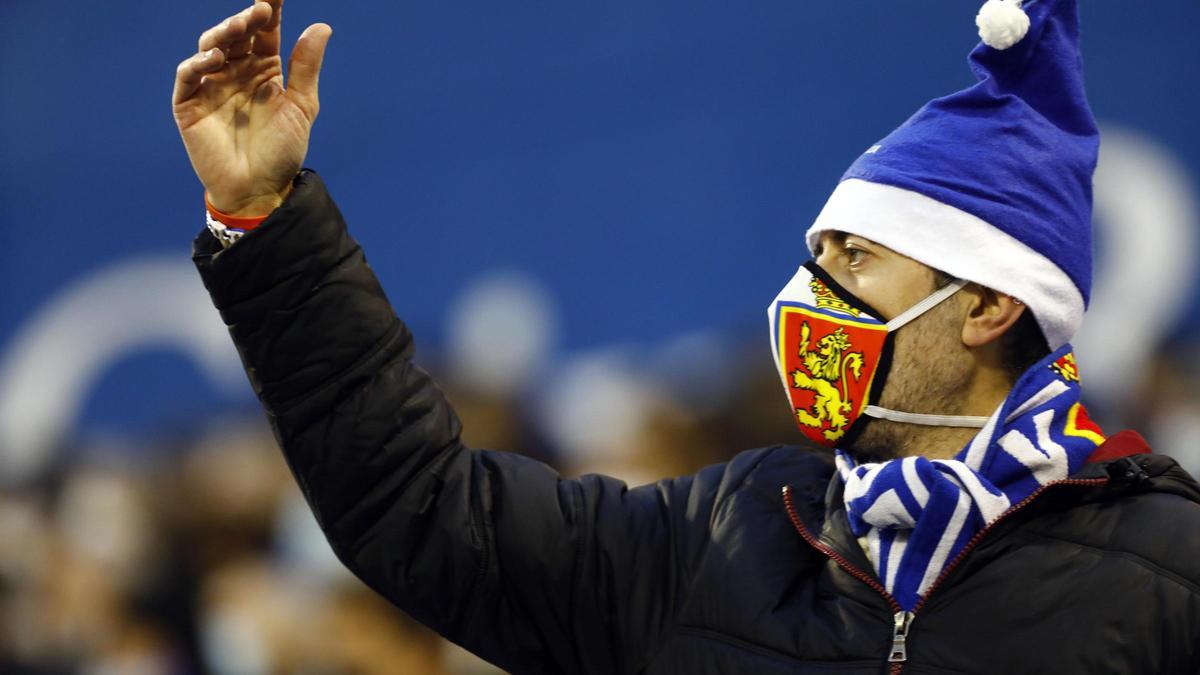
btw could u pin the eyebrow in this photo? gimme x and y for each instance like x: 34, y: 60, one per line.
x: 838, y: 238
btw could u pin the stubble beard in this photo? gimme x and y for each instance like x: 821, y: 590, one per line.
x: 930, y: 374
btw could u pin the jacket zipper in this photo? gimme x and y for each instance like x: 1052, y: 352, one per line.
x: 902, y: 620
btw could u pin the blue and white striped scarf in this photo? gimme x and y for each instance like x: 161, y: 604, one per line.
x: 917, y: 514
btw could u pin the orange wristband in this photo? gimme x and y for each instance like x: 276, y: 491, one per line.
x: 233, y: 222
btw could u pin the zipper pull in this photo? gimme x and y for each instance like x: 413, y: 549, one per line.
x: 899, y: 635
x: 1126, y: 470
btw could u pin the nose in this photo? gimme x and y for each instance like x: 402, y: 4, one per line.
x: 826, y: 257
x: 829, y: 257
x: 827, y: 254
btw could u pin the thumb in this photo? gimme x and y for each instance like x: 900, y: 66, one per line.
x: 304, y: 68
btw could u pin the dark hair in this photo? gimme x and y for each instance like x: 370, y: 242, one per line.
x: 1022, y: 345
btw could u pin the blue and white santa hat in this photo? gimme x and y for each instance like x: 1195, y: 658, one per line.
x: 993, y: 183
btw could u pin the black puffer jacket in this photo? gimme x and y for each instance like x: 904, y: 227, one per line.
x: 736, y: 569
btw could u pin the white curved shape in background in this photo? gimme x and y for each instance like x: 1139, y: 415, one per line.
x: 1146, y: 208
x: 55, y: 359
x: 501, y: 332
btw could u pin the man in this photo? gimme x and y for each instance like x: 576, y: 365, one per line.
x: 972, y: 518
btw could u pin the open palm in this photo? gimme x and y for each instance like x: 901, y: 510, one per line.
x: 245, y: 133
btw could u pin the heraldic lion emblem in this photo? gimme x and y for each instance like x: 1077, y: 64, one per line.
x: 827, y: 364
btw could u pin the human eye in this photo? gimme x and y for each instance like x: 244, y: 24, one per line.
x: 854, y: 255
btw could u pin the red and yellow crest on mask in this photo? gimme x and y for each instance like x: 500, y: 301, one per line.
x: 829, y: 353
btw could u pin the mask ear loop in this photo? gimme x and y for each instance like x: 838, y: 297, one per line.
x: 965, y: 421
x: 933, y: 300
x: 969, y: 421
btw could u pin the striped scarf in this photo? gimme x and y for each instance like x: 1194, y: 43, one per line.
x: 917, y: 514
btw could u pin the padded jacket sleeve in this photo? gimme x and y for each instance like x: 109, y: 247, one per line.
x: 533, y: 572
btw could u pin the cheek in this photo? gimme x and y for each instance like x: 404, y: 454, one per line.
x: 934, y: 338
x: 928, y: 361
x: 893, y: 286
x: 884, y: 293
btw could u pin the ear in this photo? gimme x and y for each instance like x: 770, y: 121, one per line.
x: 988, y: 315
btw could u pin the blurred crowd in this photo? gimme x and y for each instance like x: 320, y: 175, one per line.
x: 197, y: 554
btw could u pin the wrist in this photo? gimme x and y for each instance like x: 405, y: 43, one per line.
x: 242, y: 219
x: 230, y: 220
x: 259, y: 206
x: 228, y: 228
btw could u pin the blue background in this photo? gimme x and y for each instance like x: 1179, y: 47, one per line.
x: 652, y: 164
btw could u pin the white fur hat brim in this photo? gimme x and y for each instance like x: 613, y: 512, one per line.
x: 957, y: 243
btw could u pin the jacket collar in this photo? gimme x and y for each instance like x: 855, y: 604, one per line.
x: 1125, y: 459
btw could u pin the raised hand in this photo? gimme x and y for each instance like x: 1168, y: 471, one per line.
x: 245, y: 132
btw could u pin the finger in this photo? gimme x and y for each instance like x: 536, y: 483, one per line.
x: 190, y: 73
x: 238, y: 28
x: 267, y: 40
x: 304, y: 68
x: 262, y: 31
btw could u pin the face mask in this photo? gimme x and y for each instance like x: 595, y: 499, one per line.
x: 834, y: 355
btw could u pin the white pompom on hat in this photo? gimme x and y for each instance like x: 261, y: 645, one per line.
x: 1002, y: 23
